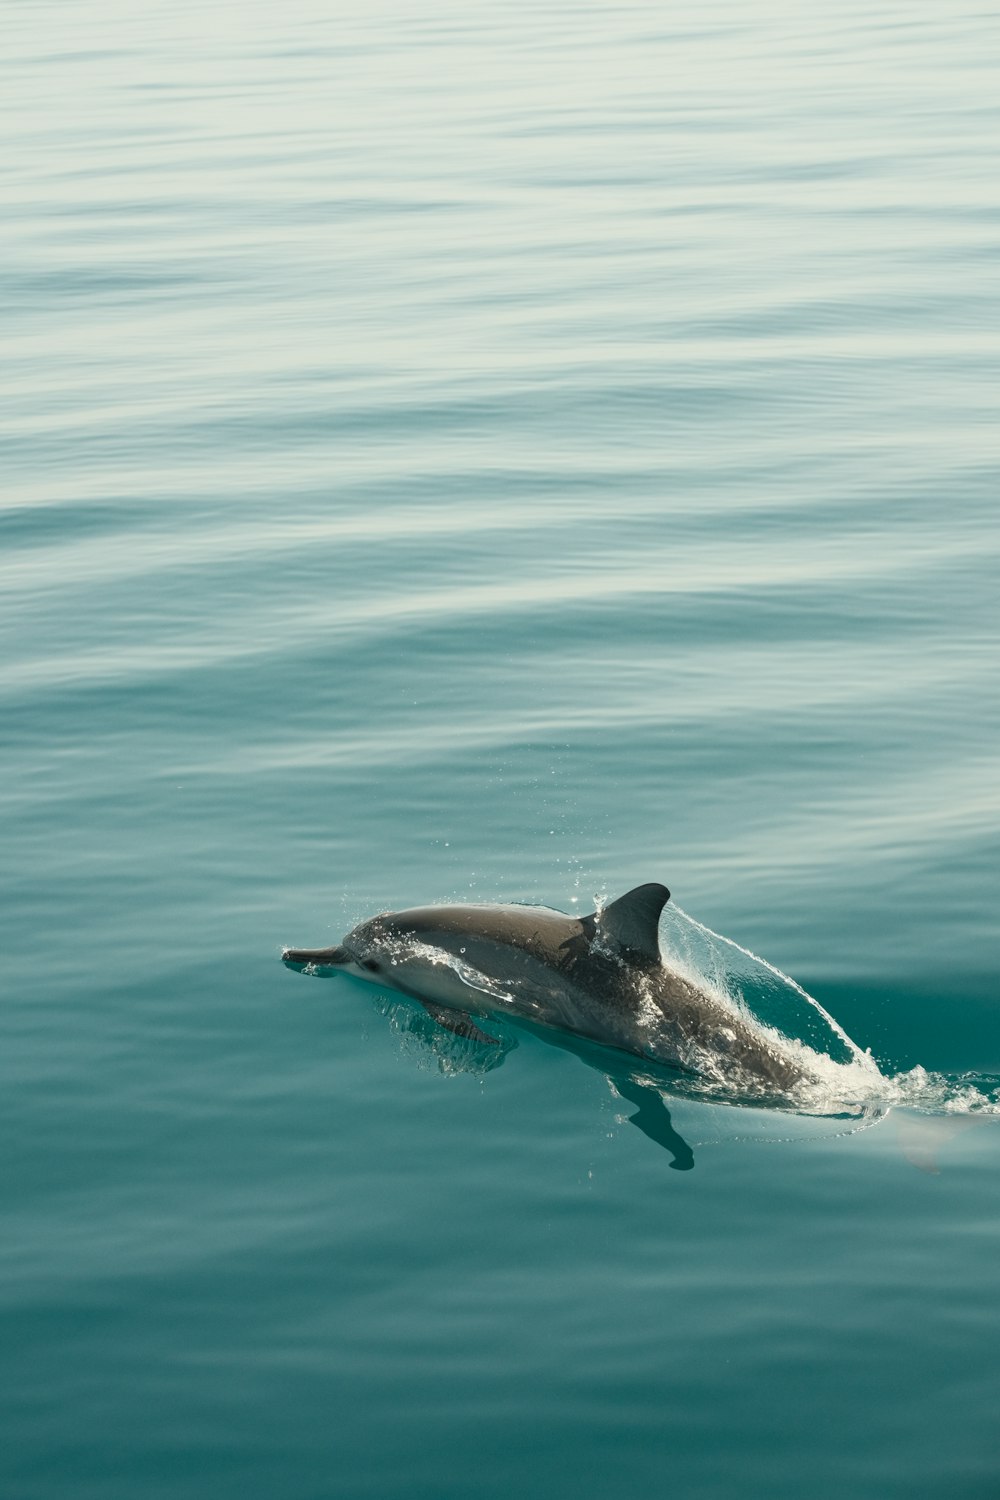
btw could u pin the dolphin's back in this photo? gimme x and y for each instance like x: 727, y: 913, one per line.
x: 546, y: 935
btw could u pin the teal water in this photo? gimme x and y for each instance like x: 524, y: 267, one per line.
x: 495, y: 454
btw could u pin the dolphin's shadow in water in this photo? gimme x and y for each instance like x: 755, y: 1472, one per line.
x: 461, y: 1055
x: 653, y: 1119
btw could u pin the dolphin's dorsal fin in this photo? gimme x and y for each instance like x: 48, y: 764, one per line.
x: 632, y: 921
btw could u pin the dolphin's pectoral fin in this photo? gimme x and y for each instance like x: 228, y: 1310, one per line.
x: 459, y: 1023
x: 653, y: 1119
x: 633, y: 920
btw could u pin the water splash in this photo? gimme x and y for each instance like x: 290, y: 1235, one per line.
x: 943, y: 1093
x: 807, y: 1029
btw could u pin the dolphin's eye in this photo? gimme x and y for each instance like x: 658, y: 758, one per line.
x: 371, y: 964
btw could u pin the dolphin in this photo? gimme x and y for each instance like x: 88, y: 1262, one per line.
x: 600, y: 977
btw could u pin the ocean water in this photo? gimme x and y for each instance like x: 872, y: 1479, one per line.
x: 494, y: 453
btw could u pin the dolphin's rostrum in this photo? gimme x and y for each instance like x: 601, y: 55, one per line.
x: 600, y: 977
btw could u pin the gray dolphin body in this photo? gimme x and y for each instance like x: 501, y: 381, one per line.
x: 601, y: 977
